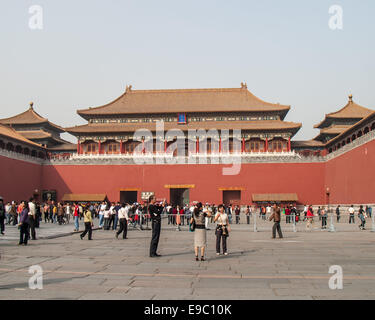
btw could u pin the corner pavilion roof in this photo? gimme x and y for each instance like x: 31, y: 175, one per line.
x: 351, y: 128
x: 184, y: 100
x: 30, y: 116
x: 13, y: 134
x: 351, y: 110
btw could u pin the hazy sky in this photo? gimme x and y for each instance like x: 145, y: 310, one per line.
x: 89, y: 50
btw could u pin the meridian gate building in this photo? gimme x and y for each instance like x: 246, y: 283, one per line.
x: 216, y: 145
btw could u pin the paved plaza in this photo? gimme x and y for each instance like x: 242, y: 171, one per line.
x: 257, y: 266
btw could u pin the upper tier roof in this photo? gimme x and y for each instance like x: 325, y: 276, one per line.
x: 35, y: 134
x: 29, y: 117
x: 350, y: 111
x: 259, y: 125
x: 184, y: 100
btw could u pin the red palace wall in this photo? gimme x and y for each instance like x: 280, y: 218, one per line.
x: 305, y: 179
x: 351, y: 176
x: 19, y: 179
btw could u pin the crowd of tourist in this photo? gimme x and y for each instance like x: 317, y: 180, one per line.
x: 112, y: 215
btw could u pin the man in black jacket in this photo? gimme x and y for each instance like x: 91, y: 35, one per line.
x: 338, y: 213
x: 155, y: 214
x: 2, y: 216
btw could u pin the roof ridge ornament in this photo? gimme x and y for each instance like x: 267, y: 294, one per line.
x: 350, y: 98
x: 31, y: 105
x: 243, y: 85
x: 128, y: 88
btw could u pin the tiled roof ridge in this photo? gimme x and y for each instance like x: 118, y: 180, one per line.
x: 351, y: 104
x: 33, y: 115
x: 130, y: 91
x: 30, y: 111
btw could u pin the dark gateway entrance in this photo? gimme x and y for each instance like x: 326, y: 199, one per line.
x: 179, y: 196
x: 231, y: 197
x: 128, y: 196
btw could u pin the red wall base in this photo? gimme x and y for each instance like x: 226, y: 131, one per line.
x: 19, y: 179
x: 350, y: 177
x: 305, y: 179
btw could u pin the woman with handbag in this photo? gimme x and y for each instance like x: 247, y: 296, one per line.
x: 222, y: 229
x: 200, y: 238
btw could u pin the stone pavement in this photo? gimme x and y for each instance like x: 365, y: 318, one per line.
x: 257, y: 266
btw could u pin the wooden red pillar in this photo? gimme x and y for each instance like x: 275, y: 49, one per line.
x: 78, y: 148
x: 99, y: 147
x: 289, y: 146
x: 143, y: 145
x: 220, y: 145
x: 243, y: 145
x: 266, y: 145
x: 121, y: 147
x: 165, y: 146
x: 197, y: 145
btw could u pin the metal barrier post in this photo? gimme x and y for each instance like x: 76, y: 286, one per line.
x: 331, y: 227
x: 255, y: 223
x: 294, y: 221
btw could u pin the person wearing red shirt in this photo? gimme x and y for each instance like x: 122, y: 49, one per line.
x: 76, y: 217
x: 287, y: 214
x: 182, y: 216
x: 310, y: 216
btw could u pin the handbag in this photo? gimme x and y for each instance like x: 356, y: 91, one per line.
x: 192, y: 226
x: 223, y: 229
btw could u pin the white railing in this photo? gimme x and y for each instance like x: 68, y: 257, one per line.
x: 348, y: 147
x: 20, y: 156
x: 158, y: 157
x: 200, y: 154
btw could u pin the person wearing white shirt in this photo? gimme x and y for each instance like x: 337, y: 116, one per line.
x: 222, y: 229
x: 169, y: 213
x: 8, y: 208
x: 106, y: 217
x: 123, y: 218
x: 269, y: 209
x: 351, y: 214
x: 68, y: 211
x: 207, y: 209
x: 112, y: 213
x: 191, y: 212
x: 305, y: 212
x: 32, y: 218
x: 102, y: 208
